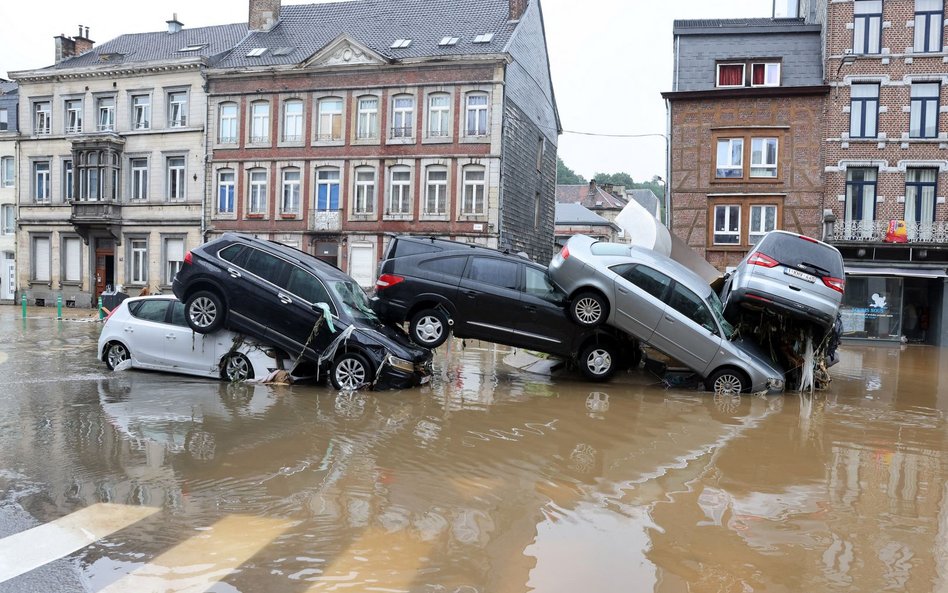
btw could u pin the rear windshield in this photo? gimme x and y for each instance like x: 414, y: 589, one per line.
x: 405, y: 248
x: 609, y: 249
x: 793, y: 251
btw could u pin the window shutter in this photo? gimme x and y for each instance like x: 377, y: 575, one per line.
x: 72, y: 258
x: 175, y: 250
x: 41, y: 258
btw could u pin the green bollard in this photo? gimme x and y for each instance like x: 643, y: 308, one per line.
x: 23, y: 300
x: 59, y: 307
x: 101, y: 312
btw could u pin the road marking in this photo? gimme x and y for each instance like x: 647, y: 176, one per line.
x: 200, y: 561
x: 378, y: 561
x: 30, y: 549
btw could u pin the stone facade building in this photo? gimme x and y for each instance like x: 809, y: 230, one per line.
x: 8, y: 150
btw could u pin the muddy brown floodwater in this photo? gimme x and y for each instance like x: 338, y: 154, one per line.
x: 490, y: 480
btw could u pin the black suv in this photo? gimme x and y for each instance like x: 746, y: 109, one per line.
x: 277, y: 295
x: 439, y: 286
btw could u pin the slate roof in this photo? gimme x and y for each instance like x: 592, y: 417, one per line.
x: 752, y: 25
x: 159, y: 46
x: 307, y: 28
x: 589, y: 196
x: 578, y: 214
x: 7, y: 87
x: 645, y: 197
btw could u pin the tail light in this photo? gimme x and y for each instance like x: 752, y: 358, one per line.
x: 187, y: 258
x: 810, y: 239
x: 763, y: 260
x: 564, y: 253
x: 837, y: 284
x: 387, y: 280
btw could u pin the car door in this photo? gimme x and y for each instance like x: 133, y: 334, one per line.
x: 256, y: 301
x: 301, y: 290
x: 543, y: 323
x: 488, y: 300
x: 186, y: 350
x: 640, y: 295
x: 687, y: 330
x: 145, y: 330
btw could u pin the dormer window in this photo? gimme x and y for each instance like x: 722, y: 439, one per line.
x: 256, y: 52
x: 401, y: 43
x: 484, y: 38
x: 734, y: 74
x: 730, y: 75
x: 765, y: 74
x: 193, y: 47
x: 447, y: 41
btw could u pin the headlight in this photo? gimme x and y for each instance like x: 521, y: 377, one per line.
x: 400, y: 364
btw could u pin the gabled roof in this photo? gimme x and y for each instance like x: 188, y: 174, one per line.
x: 591, y: 196
x: 7, y: 87
x: 578, y: 214
x: 375, y: 24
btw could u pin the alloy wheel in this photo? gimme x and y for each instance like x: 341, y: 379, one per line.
x: 429, y: 329
x: 350, y: 373
x: 203, y: 312
x: 588, y: 310
x: 599, y: 361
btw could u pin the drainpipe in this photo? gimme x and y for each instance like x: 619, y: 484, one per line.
x: 668, y: 165
x: 207, y: 119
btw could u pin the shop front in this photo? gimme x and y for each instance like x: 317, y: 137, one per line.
x: 894, y: 305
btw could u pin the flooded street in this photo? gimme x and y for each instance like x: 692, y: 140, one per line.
x: 488, y: 480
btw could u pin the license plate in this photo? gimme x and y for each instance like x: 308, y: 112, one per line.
x: 801, y: 275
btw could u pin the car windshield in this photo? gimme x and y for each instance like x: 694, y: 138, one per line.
x: 718, y: 310
x: 354, y: 300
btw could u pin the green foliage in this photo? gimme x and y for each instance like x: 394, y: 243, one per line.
x: 566, y: 176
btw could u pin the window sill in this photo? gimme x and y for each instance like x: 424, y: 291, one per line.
x: 291, y: 144
x: 226, y: 146
x: 258, y: 145
x: 224, y: 216
x: 289, y: 215
x: 754, y: 180
x: 472, y: 218
x: 438, y: 140
x: 255, y: 216
x: 397, y: 217
x: 366, y: 142
x: 435, y: 217
x: 368, y: 217
x: 400, y: 140
x: 475, y: 139
x: 728, y: 247
x: 339, y: 142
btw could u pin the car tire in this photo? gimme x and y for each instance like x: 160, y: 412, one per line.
x: 350, y: 371
x: 727, y: 380
x: 115, y: 354
x: 429, y: 328
x: 236, y: 367
x: 589, y: 309
x: 204, y: 311
x: 599, y: 361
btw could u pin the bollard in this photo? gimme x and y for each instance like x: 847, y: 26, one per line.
x: 23, y: 300
x: 59, y: 307
x: 101, y: 312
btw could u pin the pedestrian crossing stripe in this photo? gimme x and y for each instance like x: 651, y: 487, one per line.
x: 359, y: 565
x: 30, y: 549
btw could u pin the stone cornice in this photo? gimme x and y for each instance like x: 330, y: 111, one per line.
x: 98, y: 71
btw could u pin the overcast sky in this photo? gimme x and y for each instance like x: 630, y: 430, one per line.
x: 610, y: 59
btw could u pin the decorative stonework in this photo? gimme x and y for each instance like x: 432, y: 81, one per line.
x: 344, y: 52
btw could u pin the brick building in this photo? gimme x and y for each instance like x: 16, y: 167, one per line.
x: 886, y: 160
x: 331, y: 125
x: 745, y: 139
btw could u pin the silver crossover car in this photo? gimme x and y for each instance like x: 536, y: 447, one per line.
x: 788, y: 274
x: 661, y: 303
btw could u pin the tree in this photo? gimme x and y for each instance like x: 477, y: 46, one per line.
x: 566, y: 176
x: 615, y: 179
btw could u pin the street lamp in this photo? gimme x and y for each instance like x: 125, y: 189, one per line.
x: 664, y: 199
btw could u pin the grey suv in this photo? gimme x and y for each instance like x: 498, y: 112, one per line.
x: 788, y: 274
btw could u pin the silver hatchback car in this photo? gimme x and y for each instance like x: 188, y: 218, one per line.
x: 664, y: 304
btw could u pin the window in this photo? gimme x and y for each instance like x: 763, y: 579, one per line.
x: 651, y: 281
x: 436, y: 191
x: 155, y: 311
x: 174, y: 258
x: 259, y: 122
x: 763, y: 157
x: 730, y: 75
x: 864, y: 109
x: 258, y: 192
x: 691, y: 306
x: 227, y: 128
x: 727, y: 224
x: 138, y: 261
x: 923, y: 122
x: 41, y: 182
x: 177, y: 109
x: 265, y: 265
x: 449, y: 266
x: 176, y: 182
x: 483, y: 38
x: 225, y: 191
x: 41, y: 259
x: 496, y: 272
x: 329, y: 125
x: 860, y: 202
x: 73, y: 116
x: 929, y: 25
x: 139, y: 179
x: 4, y: 120
x: 867, y: 26
x: 367, y: 122
x: 141, y: 112
x: 306, y: 286
x: 763, y: 219
x: 42, y: 117
x: 439, y: 115
x: 327, y: 189
x: 293, y: 121
x: 538, y: 284
x: 7, y: 219
x: 7, y: 171
x: 291, y: 192
x: 476, y: 114
x: 72, y: 259
x: 472, y: 201
x: 105, y: 110
x: 364, y: 191
x: 766, y: 74
x: 541, y: 149
x: 730, y: 158
x: 920, y: 188
x: 399, y: 199
x: 403, y: 116
x: 69, y: 187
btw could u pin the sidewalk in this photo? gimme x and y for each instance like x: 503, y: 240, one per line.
x: 8, y: 311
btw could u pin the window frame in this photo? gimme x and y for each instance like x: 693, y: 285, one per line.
x: 864, y: 101
x: 69, y: 178
x: 442, y: 194
x: 291, y: 192
x: 7, y: 215
x: 367, y: 117
x: 404, y: 115
x: 298, y: 120
x: 259, y: 123
x: 143, y: 123
x: 927, y: 17
x: 853, y: 187
x: 731, y: 166
x: 72, y: 115
x: 919, y: 187
x: 7, y: 178
x: 715, y: 232
x: 166, y: 270
x: 444, y: 113
x: 137, y: 258
x: 323, y: 180
x: 363, y: 200
x: 172, y: 170
x: 867, y: 17
x: 137, y: 174
x: 36, y: 185
x: 717, y: 75
x: 46, y: 115
x: 404, y: 191
x: 473, y: 185
x: 75, y: 240
x: 257, y: 190
x: 333, y: 117
x: 476, y: 132
x: 746, y: 204
x: 763, y: 230
x: 181, y: 121
x: 767, y: 67
x: 927, y: 105
x: 764, y: 165
x: 232, y: 193
x: 34, y: 271
x: 105, y: 113
x: 228, y: 122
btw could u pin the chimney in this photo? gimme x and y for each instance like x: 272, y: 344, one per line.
x: 174, y: 25
x: 517, y: 8
x: 263, y: 14
x: 65, y: 48
x: 82, y: 41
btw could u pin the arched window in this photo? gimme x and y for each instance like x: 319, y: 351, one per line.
x: 473, y: 199
x: 403, y: 116
x: 293, y: 120
x: 439, y: 115
x: 259, y: 122
x: 436, y: 190
x: 227, y: 124
x: 364, y: 191
x: 476, y: 114
x: 327, y: 189
x: 399, y: 195
x: 225, y: 191
x: 257, y: 196
x: 290, y: 203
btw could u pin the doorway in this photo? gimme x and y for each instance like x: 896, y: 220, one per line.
x: 104, y: 267
x: 8, y: 278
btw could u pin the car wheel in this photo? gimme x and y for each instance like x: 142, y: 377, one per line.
x: 205, y: 312
x: 115, y: 354
x: 598, y: 362
x: 236, y: 367
x: 350, y: 371
x: 589, y: 309
x: 727, y: 381
x: 429, y: 328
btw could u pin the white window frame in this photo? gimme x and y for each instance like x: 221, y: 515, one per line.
x: 756, y: 234
x: 403, y: 116
x: 718, y: 166
x: 367, y: 118
x: 440, y: 114
x: 73, y: 115
x: 41, y: 271
x: 8, y: 219
x: 727, y: 223
x: 436, y: 191
x: 470, y: 188
x: 768, y: 166
x: 260, y: 122
x: 290, y: 194
x: 327, y: 118
x: 328, y: 177
x: 293, y: 122
x: 170, y: 267
x: 257, y: 182
x: 230, y: 185
x: 138, y: 178
x: 364, y: 204
x: 176, y: 179
x: 4, y: 119
x: 105, y: 114
x: 68, y: 179
x: 141, y: 112
x: 227, y: 123
x: 476, y: 110
x: 717, y: 75
x: 138, y: 261
x: 7, y: 171
x: 400, y: 191
x: 768, y: 68
x: 177, y: 109
x: 41, y: 179
x: 71, y: 274
x: 42, y: 118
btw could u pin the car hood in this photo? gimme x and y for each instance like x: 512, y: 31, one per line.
x: 757, y: 353
x: 393, y: 339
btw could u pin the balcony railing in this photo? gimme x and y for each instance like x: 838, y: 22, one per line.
x: 91, y: 212
x: 327, y: 220
x: 877, y: 231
